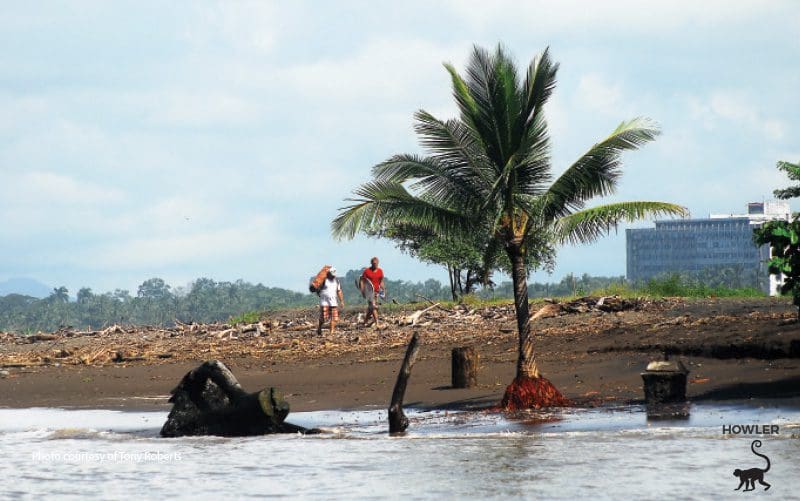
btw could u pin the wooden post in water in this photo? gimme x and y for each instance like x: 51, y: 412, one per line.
x: 398, y: 422
x: 465, y: 367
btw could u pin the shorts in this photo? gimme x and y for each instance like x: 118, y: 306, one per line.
x: 329, y: 312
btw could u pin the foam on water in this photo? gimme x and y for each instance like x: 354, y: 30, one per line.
x: 610, y: 453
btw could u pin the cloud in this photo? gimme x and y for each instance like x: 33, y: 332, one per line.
x: 596, y: 93
x: 243, y: 26
x: 42, y: 188
x: 633, y: 16
x: 739, y: 109
x: 202, y: 109
x: 206, y: 248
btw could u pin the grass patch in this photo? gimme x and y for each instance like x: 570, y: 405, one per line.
x: 677, y: 286
x: 248, y: 317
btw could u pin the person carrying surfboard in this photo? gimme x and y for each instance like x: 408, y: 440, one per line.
x: 329, y: 292
x: 372, y: 286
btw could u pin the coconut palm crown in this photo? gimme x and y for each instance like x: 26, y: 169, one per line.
x: 492, y: 165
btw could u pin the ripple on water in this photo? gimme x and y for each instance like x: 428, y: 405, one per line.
x: 444, y: 453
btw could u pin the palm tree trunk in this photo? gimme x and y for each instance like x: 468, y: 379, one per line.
x: 452, y: 283
x: 526, y: 359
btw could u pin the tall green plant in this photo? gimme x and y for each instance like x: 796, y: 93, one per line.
x: 492, y: 165
x: 783, y: 238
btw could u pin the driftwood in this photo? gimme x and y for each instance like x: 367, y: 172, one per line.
x: 210, y: 401
x: 413, y: 318
x: 398, y: 422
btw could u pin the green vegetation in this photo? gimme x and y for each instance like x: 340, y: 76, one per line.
x: 204, y: 300
x: 676, y: 285
x: 157, y: 303
x: 783, y: 238
x: 489, y: 173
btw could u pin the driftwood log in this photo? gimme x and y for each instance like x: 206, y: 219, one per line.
x: 210, y: 401
x: 464, y: 367
x: 398, y: 422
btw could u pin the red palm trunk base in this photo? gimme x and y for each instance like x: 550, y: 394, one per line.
x: 532, y: 393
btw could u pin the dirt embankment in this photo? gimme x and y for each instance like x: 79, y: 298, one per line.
x: 592, y: 350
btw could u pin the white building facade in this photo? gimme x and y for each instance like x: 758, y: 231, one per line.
x: 720, y: 246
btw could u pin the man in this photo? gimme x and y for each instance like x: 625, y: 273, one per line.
x: 375, y: 277
x: 330, y: 290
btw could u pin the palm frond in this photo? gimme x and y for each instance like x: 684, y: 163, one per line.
x: 596, y: 172
x: 589, y: 224
x: 432, y: 179
x: 533, y: 171
x: 539, y: 85
x: 455, y: 146
x: 489, y: 80
x: 379, y: 203
x: 466, y: 103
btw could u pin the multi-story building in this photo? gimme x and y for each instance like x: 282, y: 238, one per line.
x: 720, y: 246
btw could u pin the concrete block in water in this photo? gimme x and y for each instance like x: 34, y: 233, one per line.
x: 665, y: 382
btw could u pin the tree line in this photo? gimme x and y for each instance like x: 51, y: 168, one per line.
x: 205, y: 300
x: 157, y: 303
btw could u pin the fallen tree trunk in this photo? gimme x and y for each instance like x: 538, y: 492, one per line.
x: 210, y: 401
x: 398, y: 422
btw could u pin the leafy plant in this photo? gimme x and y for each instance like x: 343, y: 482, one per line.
x: 783, y: 238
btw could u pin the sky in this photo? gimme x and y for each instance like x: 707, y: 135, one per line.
x: 192, y: 139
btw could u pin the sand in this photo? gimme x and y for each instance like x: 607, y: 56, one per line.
x: 593, y: 358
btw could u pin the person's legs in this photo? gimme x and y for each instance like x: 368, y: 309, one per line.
x: 323, y: 315
x: 372, y: 311
x: 334, y: 318
x: 374, y: 305
x: 368, y: 316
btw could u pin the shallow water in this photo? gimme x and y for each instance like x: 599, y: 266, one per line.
x: 609, y: 454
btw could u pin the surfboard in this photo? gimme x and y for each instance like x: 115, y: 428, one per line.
x: 365, y: 287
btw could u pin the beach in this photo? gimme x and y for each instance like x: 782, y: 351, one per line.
x: 735, y: 349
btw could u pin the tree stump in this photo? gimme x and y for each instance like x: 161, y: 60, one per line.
x: 210, y: 401
x: 465, y: 367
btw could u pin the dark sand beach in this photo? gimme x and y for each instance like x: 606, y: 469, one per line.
x: 735, y: 349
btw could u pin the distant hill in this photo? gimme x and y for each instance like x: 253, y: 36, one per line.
x: 24, y: 286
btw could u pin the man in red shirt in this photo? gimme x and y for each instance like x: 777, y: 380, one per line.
x: 375, y: 277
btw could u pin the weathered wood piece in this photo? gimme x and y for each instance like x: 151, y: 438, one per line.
x: 210, y: 401
x: 413, y: 318
x: 398, y: 422
x: 464, y: 367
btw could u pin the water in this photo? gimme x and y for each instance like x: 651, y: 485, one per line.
x: 607, y: 454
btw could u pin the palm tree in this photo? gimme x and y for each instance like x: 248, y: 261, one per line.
x: 493, y: 163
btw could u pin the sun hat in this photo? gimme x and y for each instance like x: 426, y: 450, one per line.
x: 332, y: 271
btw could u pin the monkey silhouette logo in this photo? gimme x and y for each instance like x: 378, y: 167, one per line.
x: 749, y: 477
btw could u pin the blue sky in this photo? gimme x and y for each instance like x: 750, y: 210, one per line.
x: 188, y: 139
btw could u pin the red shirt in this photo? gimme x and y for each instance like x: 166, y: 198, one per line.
x: 376, y: 277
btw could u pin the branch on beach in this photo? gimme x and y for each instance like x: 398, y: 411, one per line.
x: 398, y: 422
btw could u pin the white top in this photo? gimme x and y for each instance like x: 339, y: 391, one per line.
x: 327, y: 293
